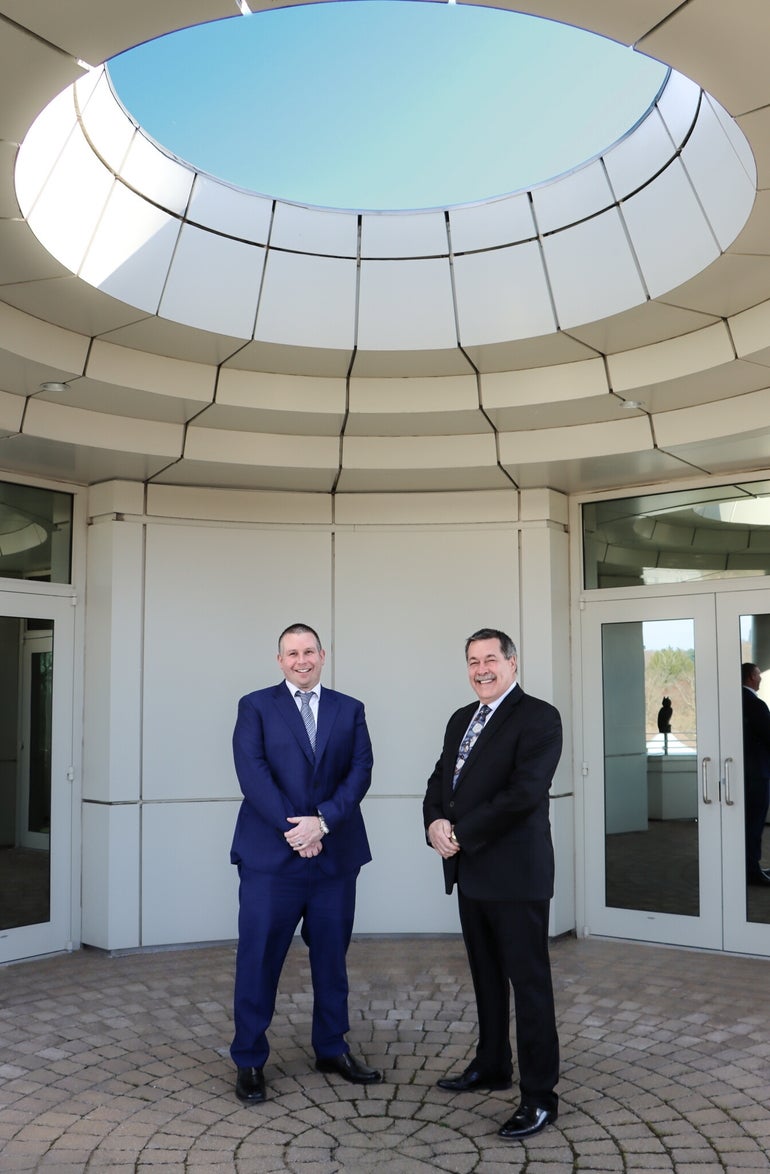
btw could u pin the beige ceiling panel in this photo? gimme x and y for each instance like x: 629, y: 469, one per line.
x: 39, y: 341
x: 308, y: 301
x: 404, y: 234
x: 32, y: 75
x: 718, y: 383
x: 751, y: 333
x: 263, y: 449
x: 498, y: 222
x: 68, y: 302
x: 23, y: 376
x: 756, y: 127
x: 414, y: 364
x: 502, y: 295
x: 641, y: 326
x: 11, y: 413
x: 290, y: 360
x: 696, y: 41
x: 286, y: 393
x: 592, y: 270
x: 248, y: 476
x: 169, y: 501
x: 92, y: 31
x: 74, y: 463
x: 403, y: 396
x: 726, y: 454
x: 545, y: 385
x: 530, y: 417
x: 314, y: 230
x: 49, y: 421
x: 287, y: 423
x: 107, y: 398
x: 418, y: 452
x: 710, y: 347
x: 406, y: 305
x: 541, y: 351
x: 9, y: 205
x: 417, y: 423
x: 158, y: 374
x: 400, y: 481
x: 733, y: 283
x: 580, y: 442
x: 715, y: 421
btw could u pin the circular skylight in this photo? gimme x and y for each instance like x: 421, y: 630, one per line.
x: 387, y: 104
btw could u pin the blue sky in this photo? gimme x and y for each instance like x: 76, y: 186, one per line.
x: 385, y: 104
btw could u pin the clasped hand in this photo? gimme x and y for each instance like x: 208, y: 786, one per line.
x: 440, y: 837
x: 305, y: 836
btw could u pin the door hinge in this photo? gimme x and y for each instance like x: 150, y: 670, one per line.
x: 584, y: 769
x: 69, y: 774
x: 73, y: 600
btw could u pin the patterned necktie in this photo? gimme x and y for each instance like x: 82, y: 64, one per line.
x: 307, y: 715
x: 474, y: 729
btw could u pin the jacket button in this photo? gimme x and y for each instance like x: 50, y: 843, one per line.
x: 451, y: 802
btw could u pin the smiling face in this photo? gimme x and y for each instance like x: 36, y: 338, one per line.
x: 301, y: 660
x: 490, y: 673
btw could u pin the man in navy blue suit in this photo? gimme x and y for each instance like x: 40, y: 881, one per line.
x: 304, y: 763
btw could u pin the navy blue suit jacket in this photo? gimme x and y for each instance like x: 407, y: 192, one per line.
x: 756, y: 736
x: 499, y: 808
x: 279, y: 777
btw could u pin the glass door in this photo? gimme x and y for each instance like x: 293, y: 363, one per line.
x: 36, y: 666
x: 669, y: 816
x: 651, y: 747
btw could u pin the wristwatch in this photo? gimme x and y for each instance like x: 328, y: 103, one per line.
x: 323, y: 823
x: 454, y: 838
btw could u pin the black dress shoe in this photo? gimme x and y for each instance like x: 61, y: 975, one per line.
x: 471, y: 1080
x: 349, y: 1069
x: 760, y: 877
x: 527, y: 1119
x: 250, y: 1086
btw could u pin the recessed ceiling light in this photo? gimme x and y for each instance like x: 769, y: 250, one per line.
x: 630, y: 404
x: 53, y: 385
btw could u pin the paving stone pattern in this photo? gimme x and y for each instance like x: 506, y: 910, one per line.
x: 120, y: 1064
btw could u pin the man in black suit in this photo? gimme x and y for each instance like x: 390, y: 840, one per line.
x: 486, y: 814
x: 756, y: 771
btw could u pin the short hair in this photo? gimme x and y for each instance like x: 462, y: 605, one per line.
x: 748, y: 668
x: 298, y: 630
x: 507, y: 646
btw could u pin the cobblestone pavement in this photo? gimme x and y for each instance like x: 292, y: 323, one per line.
x: 121, y: 1064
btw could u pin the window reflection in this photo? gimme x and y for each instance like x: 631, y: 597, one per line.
x: 686, y: 536
x: 35, y: 533
x: 755, y: 697
x: 650, y: 767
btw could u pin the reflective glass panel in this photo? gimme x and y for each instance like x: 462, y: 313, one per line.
x: 26, y: 686
x: 650, y: 766
x: 35, y: 533
x: 755, y: 653
x: 691, y: 535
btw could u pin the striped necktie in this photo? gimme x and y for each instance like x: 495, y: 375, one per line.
x: 474, y: 729
x: 307, y: 715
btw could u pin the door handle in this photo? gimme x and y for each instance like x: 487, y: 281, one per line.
x: 728, y: 801
x: 704, y: 778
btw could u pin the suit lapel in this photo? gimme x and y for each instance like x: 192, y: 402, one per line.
x: 287, y: 707
x: 328, y: 707
x: 492, y: 726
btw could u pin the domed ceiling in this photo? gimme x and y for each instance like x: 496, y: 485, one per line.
x: 606, y: 329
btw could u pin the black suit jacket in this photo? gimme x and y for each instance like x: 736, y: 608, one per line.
x: 756, y: 736
x: 499, y: 808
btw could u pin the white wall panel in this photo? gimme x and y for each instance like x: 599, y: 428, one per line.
x: 308, y: 301
x: 417, y: 234
x: 592, y: 270
x: 632, y: 161
x: 213, y: 283
x: 678, y: 106
x: 109, y: 128
x: 157, y: 176
x: 406, y: 305
x: 68, y: 208
x: 131, y: 251
x: 315, y: 230
x: 574, y: 196
x: 502, y: 294
x: 498, y: 222
x: 41, y: 148
x: 709, y: 158
x: 110, y: 876
x: 225, y: 209
x: 669, y: 232
x: 216, y: 601
x: 186, y: 858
